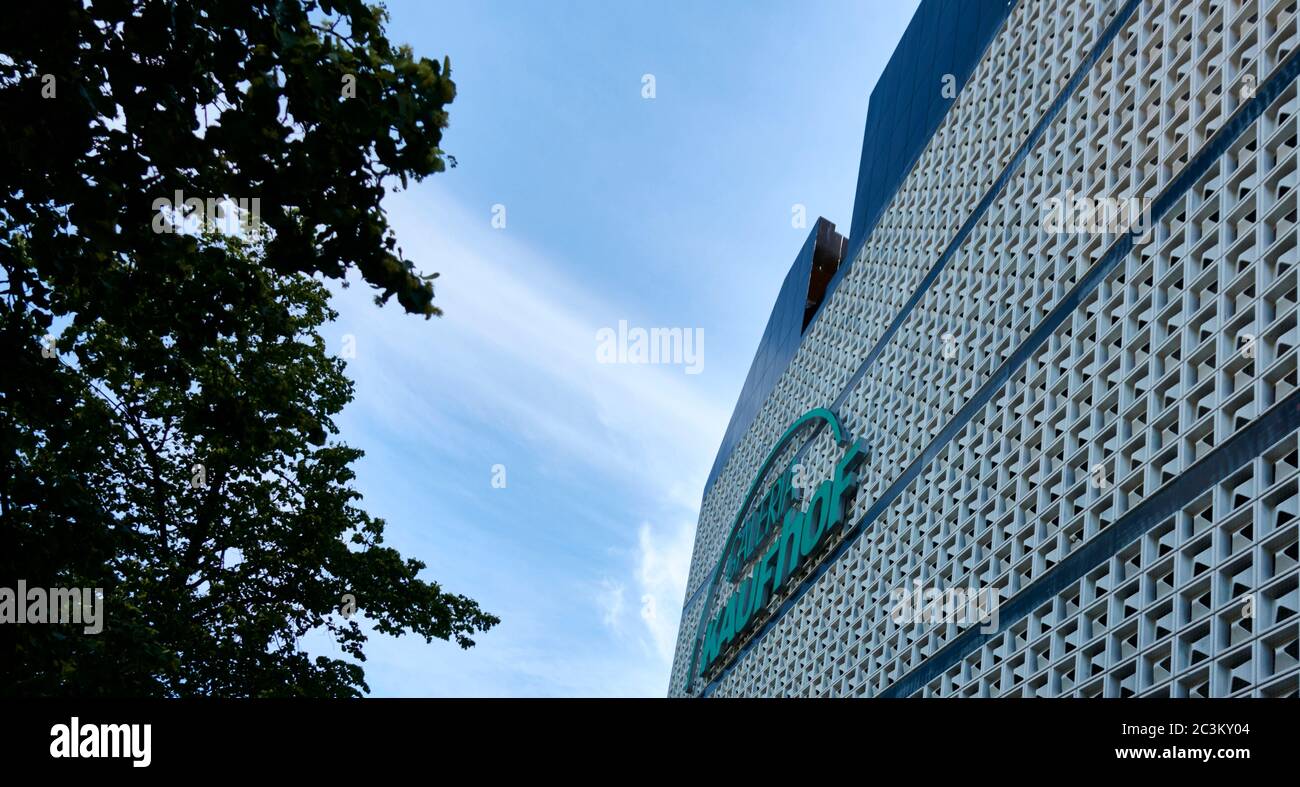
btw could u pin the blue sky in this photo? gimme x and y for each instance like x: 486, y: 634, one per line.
x: 672, y: 211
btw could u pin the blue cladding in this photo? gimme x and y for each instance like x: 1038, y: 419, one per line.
x: 907, y: 105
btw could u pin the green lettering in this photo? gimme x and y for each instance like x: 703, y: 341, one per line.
x: 846, y: 481
x: 787, y: 558
x: 710, y: 652
x: 744, y: 596
x: 815, y: 520
x: 728, y: 632
x: 763, y: 579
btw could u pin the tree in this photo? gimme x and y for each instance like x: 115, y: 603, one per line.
x: 166, y: 412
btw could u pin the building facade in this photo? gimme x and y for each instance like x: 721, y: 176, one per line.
x: 1031, y: 429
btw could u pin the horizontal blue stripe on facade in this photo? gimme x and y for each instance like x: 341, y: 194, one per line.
x: 1237, y: 451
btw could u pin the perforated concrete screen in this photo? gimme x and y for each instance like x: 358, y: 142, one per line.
x: 1094, y: 423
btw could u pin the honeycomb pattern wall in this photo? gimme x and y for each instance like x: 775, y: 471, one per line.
x: 1099, y: 427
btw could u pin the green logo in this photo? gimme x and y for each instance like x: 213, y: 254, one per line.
x: 769, y: 542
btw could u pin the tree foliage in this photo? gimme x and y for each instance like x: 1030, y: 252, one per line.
x: 175, y: 447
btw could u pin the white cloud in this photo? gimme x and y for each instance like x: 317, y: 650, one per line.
x: 513, y: 363
x: 610, y: 599
x: 664, y: 561
x: 518, y: 342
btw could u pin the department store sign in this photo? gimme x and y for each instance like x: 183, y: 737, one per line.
x: 772, y: 537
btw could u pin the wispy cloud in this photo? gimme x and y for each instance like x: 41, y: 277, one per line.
x: 511, y: 375
x: 610, y: 600
x: 665, y: 560
x: 518, y: 345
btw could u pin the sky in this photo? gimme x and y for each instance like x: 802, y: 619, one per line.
x: 631, y: 162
